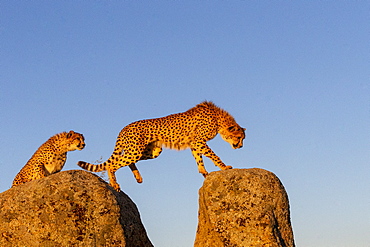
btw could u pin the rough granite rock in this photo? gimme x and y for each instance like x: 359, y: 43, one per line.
x: 71, y: 208
x: 243, y: 207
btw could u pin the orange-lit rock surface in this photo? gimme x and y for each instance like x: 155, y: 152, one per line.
x: 243, y: 207
x: 70, y: 208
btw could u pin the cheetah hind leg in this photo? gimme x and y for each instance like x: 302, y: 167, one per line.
x: 152, y: 151
x: 136, y: 173
x: 113, y: 179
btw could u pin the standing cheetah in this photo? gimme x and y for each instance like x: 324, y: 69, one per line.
x: 144, y: 139
x: 50, y: 157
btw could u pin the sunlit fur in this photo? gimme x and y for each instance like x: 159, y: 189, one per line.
x: 50, y: 157
x: 144, y: 139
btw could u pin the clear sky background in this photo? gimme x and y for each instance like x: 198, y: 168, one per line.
x: 294, y: 73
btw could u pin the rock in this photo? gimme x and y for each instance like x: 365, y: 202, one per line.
x: 71, y: 208
x: 243, y: 207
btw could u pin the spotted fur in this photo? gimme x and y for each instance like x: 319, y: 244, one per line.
x: 50, y: 157
x: 144, y: 139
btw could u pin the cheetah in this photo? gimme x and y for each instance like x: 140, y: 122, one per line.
x: 144, y: 139
x: 50, y: 157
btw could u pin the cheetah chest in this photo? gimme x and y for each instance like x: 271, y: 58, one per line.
x: 56, y: 163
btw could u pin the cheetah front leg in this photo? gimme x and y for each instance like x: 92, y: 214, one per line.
x: 201, y: 148
x: 198, y: 158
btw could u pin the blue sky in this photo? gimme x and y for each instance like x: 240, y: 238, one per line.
x: 295, y: 74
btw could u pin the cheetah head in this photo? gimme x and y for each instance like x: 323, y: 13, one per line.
x: 75, y: 141
x: 234, y: 135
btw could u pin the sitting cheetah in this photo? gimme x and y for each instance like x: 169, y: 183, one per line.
x: 50, y: 157
x: 144, y: 139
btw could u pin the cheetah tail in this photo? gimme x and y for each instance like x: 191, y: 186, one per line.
x: 92, y: 167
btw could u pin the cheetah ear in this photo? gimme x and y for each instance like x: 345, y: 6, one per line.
x: 70, y: 134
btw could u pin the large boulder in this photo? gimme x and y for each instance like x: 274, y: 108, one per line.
x: 71, y: 208
x: 243, y: 207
